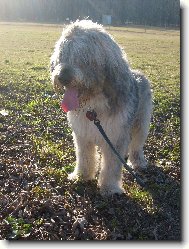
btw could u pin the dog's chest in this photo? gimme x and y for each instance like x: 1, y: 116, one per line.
x: 83, y: 127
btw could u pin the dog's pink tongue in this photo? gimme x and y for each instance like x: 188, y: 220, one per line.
x: 70, y: 100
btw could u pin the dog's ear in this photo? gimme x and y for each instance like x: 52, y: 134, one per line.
x: 117, y: 81
x: 110, y: 94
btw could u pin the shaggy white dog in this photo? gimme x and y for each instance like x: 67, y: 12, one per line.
x: 94, y: 72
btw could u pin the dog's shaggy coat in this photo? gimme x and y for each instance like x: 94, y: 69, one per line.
x: 86, y: 58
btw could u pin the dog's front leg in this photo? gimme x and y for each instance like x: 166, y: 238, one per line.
x: 85, y: 159
x: 110, y: 181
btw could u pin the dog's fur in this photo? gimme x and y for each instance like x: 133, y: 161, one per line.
x: 88, y: 58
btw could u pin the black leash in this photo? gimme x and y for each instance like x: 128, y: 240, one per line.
x: 92, y: 116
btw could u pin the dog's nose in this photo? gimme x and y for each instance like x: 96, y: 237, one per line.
x: 65, y: 76
x: 62, y: 80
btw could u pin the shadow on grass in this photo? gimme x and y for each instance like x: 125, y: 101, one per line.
x: 152, y: 213
x: 58, y: 209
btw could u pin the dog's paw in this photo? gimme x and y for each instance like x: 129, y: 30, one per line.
x: 77, y: 175
x: 110, y: 190
x: 73, y: 176
x: 140, y: 165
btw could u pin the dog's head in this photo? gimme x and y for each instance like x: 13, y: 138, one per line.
x: 76, y: 85
x: 87, y: 59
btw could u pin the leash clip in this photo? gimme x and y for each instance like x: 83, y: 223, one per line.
x: 91, y: 115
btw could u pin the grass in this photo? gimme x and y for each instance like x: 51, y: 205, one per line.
x: 37, y: 201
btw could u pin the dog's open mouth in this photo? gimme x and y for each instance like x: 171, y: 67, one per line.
x: 70, y: 100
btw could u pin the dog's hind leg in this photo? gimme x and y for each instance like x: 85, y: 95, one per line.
x: 141, y: 123
x: 138, y: 138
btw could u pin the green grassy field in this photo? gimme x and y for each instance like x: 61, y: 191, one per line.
x: 36, y: 199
